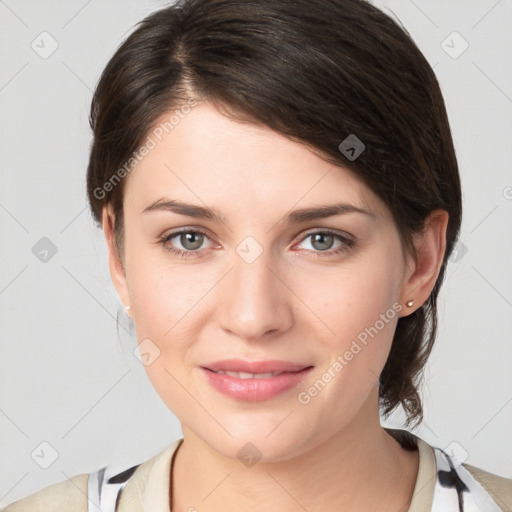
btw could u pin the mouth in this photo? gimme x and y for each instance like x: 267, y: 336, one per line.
x: 254, y: 380
x: 246, y: 375
x: 274, y: 366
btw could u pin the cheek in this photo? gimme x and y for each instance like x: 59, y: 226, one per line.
x: 353, y: 300
x: 164, y: 296
x: 359, y: 312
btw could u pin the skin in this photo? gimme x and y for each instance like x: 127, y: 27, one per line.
x: 293, y: 302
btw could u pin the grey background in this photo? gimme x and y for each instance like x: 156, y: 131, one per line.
x: 68, y: 378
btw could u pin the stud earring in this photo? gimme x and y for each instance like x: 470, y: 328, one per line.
x: 409, y: 303
x: 126, y: 309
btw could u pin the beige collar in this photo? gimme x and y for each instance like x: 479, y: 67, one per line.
x: 148, y: 488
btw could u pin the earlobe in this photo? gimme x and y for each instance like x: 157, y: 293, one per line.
x: 117, y: 270
x: 430, y: 248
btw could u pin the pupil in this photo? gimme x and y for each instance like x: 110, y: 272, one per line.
x: 322, y: 236
x: 189, y: 238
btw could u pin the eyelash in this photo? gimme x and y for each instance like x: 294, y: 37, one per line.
x: 348, y: 244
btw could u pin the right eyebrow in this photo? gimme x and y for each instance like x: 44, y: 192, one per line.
x: 190, y: 210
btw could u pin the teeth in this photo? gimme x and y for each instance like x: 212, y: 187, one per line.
x: 245, y: 375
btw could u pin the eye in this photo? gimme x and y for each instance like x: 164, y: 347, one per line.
x: 190, y: 239
x: 322, y: 241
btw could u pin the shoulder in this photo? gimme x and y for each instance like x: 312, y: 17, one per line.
x: 144, y: 486
x: 443, y: 481
x: 67, y: 496
x: 499, y: 487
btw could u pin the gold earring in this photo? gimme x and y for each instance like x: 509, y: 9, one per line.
x: 409, y: 303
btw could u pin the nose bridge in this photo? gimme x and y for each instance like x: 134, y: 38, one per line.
x: 256, y: 301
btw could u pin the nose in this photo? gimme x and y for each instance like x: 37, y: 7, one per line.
x: 256, y: 300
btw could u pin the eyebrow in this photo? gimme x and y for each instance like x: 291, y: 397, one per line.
x: 295, y: 217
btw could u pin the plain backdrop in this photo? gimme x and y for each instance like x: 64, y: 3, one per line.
x: 73, y: 396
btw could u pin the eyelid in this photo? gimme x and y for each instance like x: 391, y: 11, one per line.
x: 187, y: 229
x: 347, y: 241
x: 329, y: 231
x: 206, y: 233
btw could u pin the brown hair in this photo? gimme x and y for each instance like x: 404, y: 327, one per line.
x: 315, y: 72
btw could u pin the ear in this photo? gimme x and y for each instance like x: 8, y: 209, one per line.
x: 423, y: 269
x: 117, y: 271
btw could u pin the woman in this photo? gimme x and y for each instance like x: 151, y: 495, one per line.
x: 279, y: 193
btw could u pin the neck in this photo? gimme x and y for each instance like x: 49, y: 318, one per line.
x: 360, y: 467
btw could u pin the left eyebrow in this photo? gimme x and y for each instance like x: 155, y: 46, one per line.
x: 322, y: 212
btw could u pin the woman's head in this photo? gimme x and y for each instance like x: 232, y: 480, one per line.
x: 241, y: 107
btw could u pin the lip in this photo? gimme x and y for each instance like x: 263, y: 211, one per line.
x: 255, y: 389
x: 240, y: 365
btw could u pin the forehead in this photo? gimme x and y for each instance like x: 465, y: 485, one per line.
x: 210, y: 159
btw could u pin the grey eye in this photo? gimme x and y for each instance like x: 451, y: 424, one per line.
x: 191, y: 240
x: 322, y: 241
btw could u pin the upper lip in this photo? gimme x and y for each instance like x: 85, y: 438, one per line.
x: 239, y: 365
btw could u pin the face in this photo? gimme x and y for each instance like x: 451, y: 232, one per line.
x: 263, y: 282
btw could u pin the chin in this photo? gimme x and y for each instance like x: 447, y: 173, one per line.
x: 260, y: 440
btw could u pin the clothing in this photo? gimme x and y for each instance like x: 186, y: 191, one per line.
x: 442, y: 485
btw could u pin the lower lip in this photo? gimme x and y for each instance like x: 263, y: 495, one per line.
x: 255, y: 389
